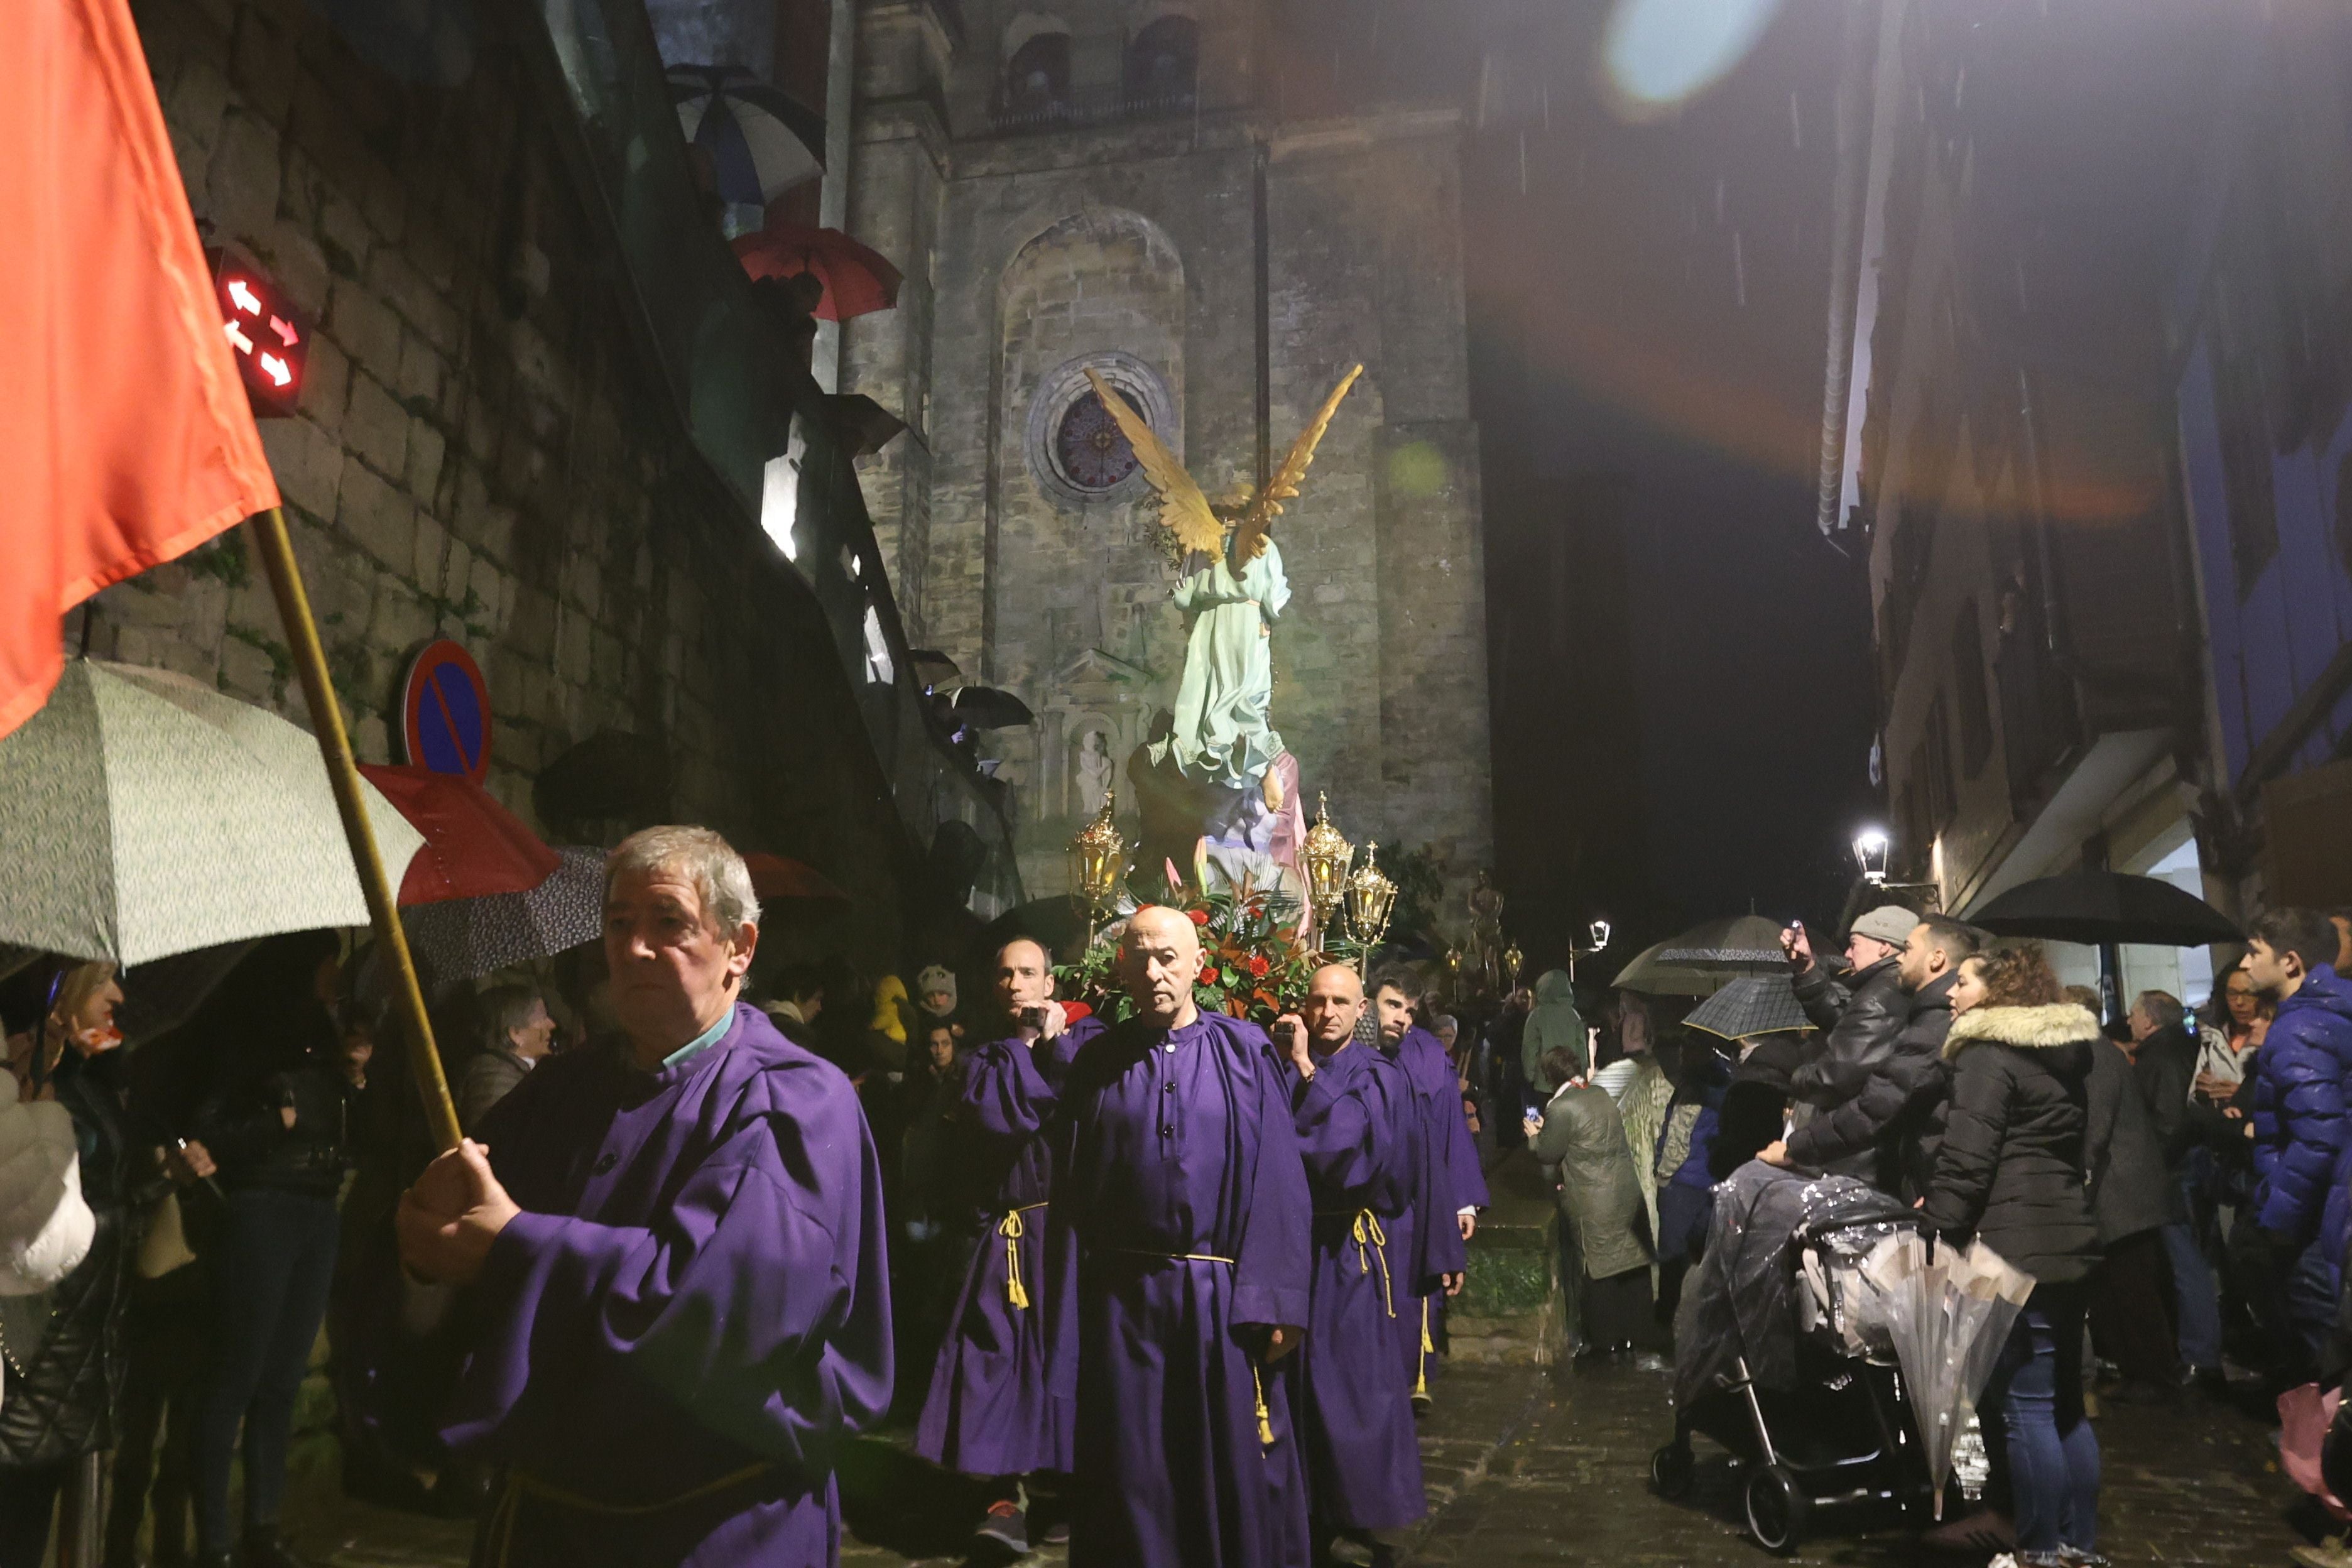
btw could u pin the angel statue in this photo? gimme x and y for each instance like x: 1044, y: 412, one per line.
x: 1224, y: 732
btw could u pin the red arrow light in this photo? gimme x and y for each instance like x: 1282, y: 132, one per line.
x: 243, y: 297
x: 285, y: 329
x: 236, y: 335
x: 275, y: 368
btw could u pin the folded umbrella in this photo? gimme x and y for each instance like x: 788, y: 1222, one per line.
x: 858, y: 281
x: 1750, y: 1005
x: 2094, y: 907
x: 474, y: 848
x: 459, y: 939
x: 143, y: 814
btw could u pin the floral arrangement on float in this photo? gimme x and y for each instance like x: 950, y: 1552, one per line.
x: 1252, y: 962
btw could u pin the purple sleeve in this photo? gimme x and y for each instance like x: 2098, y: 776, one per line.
x: 1005, y: 1091
x: 760, y: 1301
x: 1346, y: 1145
x: 1437, y: 1237
x: 1273, y: 1265
x: 1469, y: 1183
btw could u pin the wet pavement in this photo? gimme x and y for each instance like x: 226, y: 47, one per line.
x: 1526, y: 1467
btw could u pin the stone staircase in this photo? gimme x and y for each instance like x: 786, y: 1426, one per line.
x: 1509, y: 1312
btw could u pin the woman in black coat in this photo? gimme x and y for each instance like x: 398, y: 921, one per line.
x: 2010, y: 1173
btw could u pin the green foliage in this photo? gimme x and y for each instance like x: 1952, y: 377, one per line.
x: 1252, y: 966
x: 222, y: 559
x: 1419, y: 888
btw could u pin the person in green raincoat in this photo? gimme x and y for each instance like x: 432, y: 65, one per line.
x: 1554, y: 1024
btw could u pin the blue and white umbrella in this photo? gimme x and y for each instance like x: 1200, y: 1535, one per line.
x: 763, y: 140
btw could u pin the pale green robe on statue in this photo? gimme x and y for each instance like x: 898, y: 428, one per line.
x: 1223, y: 731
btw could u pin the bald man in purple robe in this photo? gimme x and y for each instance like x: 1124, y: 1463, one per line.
x: 673, y: 1244
x: 993, y: 1409
x: 1186, y: 1198
x: 1359, y: 1131
x: 1449, y: 1188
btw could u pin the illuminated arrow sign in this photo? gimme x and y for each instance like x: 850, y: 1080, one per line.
x: 248, y: 298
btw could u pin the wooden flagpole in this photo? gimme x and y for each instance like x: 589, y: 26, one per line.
x: 343, y: 774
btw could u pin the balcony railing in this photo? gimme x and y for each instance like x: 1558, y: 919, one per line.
x: 1022, y: 115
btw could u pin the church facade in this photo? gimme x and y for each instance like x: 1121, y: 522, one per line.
x: 1121, y: 186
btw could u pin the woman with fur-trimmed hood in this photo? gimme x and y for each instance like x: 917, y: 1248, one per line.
x: 2010, y: 1172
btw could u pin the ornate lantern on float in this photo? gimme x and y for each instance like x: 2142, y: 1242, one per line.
x: 1326, y: 856
x: 1371, y: 898
x: 1513, y: 962
x: 1098, y: 861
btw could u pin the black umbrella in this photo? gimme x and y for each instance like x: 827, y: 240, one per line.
x: 1750, y: 1005
x: 988, y: 708
x: 2094, y: 907
x: 1736, y: 944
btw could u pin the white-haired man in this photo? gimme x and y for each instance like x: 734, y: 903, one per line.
x: 1185, y: 1192
x: 675, y: 1247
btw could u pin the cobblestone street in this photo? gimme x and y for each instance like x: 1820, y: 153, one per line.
x: 1525, y: 1469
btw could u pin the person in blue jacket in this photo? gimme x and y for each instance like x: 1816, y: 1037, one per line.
x: 2301, y: 1130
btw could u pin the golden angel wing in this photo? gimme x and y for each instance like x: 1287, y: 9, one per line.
x: 1249, y: 541
x: 1183, y: 510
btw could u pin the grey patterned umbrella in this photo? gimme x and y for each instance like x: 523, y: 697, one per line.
x: 143, y: 814
x: 461, y: 938
x: 1750, y: 1005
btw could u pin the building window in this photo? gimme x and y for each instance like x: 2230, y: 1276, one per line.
x: 1037, y: 77
x: 1163, y: 62
x: 1089, y: 448
x: 1975, y: 705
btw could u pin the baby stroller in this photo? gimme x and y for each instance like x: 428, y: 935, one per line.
x: 1777, y: 1362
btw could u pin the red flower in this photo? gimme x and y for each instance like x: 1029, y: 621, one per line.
x: 1199, y: 917
x: 1258, y: 966
x: 1208, y: 975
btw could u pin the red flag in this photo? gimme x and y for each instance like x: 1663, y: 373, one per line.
x: 125, y: 438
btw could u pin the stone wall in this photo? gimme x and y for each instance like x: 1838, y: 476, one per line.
x: 1140, y: 237
x: 483, y: 453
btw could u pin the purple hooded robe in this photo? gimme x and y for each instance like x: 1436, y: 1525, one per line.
x: 672, y: 1338
x: 1359, y: 1135
x: 1448, y: 1182
x: 1185, y: 1195
x: 993, y: 1409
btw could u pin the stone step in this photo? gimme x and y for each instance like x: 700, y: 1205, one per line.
x: 1509, y: 1312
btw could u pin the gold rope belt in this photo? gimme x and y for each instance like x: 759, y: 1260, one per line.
x: 1421, y: 1362
x: 1010, y: 1229
x: 1371, y: 1241
x: 520, y: 1487
x: 1257, y: 1384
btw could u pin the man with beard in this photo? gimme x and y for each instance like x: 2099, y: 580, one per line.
x: 1359, y: 1132
x: 1449, y: 1189
x: 993, y: 1410
x: 1187, y: 1203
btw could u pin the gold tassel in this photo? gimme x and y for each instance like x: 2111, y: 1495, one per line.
x: 1420, y: 1362
x: 1011, y: 1229
x: 1264, y: 1417
x: 1369, y: 1238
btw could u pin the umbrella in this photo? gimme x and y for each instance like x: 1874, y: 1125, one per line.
x: 474, y: 848
x: 2094, y: 907
x: 988, y: 707
x: 1947, y: 1314
x: 864, y: 425
x: 778, y: 876
x: 934, y: 670
x: 1652, y: 976
x: 461, y: 938
x: 1750, y: 1005
x: 762, y: 139
x: 1739, y: 944
x: 858, y: 281
x: 142, y: 815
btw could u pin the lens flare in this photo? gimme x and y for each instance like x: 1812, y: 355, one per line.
x: 1657, y: 55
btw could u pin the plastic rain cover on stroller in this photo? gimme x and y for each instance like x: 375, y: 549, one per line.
x: 1740, y: 1301
x: 1949, y: 1313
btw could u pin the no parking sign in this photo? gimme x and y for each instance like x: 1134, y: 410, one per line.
x: 445, y: 712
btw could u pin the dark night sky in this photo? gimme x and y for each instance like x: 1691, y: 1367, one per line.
x: 1682, y: 704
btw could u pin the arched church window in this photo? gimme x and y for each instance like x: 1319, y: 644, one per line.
x: 1163, y: 61
x: 1037, y: 77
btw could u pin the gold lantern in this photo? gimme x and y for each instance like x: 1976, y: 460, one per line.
x: 1326, y: 856
x: 1513, y: 962
x: 1098, y: 861
x: 1453, y: 992
x: 1371, y: 898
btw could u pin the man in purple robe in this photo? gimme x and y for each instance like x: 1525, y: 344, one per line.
x: 993, y: 1409
x: 673, y: 1243
x: 1359, y: 1131
x: 1450, y: 1189
x: 1186, y: 1199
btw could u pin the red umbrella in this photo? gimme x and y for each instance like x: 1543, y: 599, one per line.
x: 774, y: 877
x: 473, y: 845
x: 858, y: 281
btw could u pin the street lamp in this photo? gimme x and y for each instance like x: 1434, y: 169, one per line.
x: 1599, y: 933
x: 1327, y: 855
x: 1869, y: 849
x: 1097, y: 861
